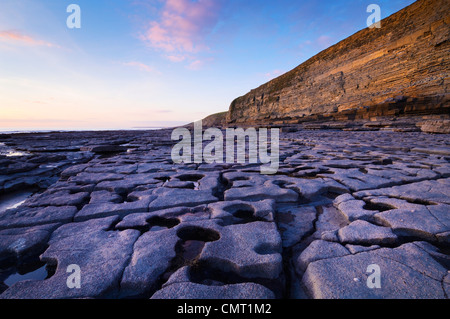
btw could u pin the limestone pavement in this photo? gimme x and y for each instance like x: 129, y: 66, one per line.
x: 139, y: 226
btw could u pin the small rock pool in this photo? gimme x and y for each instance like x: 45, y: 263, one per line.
x: 13, y: 200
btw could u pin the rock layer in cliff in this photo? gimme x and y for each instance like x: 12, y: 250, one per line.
x: 399, y: 69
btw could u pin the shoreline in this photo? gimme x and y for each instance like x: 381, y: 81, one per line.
x: 79, y: 130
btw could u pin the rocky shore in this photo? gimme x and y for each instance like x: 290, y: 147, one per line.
x: 139, y: 226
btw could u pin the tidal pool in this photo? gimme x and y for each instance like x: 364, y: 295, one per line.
x: 13, y: 200
x: 38, y: 274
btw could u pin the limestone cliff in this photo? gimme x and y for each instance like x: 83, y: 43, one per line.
x: 218, y: 119
x: 400, y: 69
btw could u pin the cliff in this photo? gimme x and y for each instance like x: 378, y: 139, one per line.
x: 400, y: 69
x: 218, y: 119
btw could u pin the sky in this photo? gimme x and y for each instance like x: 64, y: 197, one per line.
x: 144, y: 63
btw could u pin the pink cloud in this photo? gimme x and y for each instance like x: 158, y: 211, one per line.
x: 16, y: 36
x: 183, y: 26
x: 141, y: 66
x: 176, y: 58
x: 195, y: 65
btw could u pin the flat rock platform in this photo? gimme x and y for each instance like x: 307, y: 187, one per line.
x: 139, y: 226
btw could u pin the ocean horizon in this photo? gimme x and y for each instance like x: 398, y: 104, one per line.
x: 31, y: 130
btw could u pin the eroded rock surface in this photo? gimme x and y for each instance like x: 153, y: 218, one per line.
x: 139, y: 226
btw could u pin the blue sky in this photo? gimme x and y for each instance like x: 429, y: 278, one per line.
x: 140, y: 63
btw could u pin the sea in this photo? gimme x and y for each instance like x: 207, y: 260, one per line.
x: 13, y: 131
